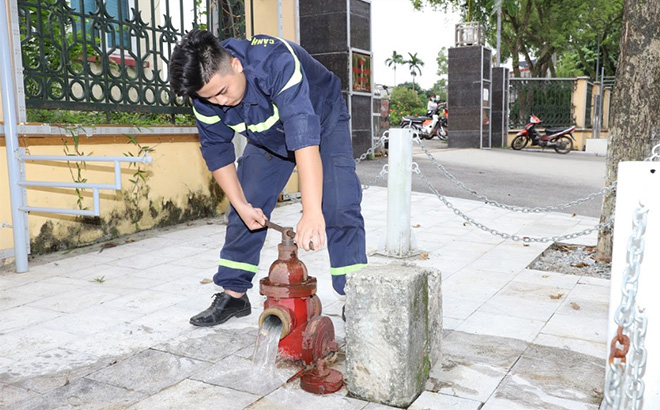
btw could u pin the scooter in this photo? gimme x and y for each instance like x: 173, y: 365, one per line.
x: 561, y: 139
x: 427, y: 127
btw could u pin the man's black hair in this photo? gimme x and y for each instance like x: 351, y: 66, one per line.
x: 195, y: 59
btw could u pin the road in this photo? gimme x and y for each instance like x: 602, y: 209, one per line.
x: 521, y: 178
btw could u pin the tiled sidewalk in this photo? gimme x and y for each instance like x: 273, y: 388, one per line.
x: 110, y: 329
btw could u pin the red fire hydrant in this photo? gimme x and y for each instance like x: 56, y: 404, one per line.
x: 291, y: 297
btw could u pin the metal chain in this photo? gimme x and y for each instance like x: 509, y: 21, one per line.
x: 371, y: 150
x: 526, y: 239
x: 624, y: 387
x: 380, y: 175
x: 655, y: 154
x: 504, y: 206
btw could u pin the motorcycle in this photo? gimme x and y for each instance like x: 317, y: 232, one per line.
x: 429, y: 126
x: 561, y: 139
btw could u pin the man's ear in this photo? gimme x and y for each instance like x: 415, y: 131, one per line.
x: 236, y: 65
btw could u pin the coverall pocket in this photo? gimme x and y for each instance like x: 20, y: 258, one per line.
x: 345, y: 191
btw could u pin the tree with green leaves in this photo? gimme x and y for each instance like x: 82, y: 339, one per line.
x: 393, y: 61
x: 443, y: 63
x: 543, y: 31
x: 415, y: 65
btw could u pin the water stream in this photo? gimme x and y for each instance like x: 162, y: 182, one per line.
x: 265, y: 350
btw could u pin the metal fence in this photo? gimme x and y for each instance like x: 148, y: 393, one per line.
x: 548, y: 98
x: 112, y: 55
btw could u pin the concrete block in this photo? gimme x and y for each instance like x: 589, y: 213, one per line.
x: 393, y: 331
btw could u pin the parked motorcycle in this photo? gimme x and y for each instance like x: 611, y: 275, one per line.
x: 561, y: 139
x: 429, y: 126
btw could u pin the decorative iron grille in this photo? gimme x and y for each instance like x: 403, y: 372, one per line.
x: 550, y: 99
x: 112, y: 55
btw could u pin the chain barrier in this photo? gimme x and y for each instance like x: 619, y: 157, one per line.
x: 484, y: 198
x: 624, y: 387
x: 369, y: 152
x: 526, y: 239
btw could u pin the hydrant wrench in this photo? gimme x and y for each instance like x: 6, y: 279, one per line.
x: 285, y: 231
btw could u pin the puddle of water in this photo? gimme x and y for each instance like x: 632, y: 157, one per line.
x: 265, y: 350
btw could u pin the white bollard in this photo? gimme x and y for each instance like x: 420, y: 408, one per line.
x: 398, y: 240
x: 639, y: 182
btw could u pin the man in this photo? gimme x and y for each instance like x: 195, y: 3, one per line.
x: 292, y: 112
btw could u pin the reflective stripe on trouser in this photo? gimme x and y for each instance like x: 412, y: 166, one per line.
x: 263, y: 176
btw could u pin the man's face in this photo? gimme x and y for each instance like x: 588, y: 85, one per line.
x: 227, y: 90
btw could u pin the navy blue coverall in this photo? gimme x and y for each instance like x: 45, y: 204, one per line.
x: 291, y: 101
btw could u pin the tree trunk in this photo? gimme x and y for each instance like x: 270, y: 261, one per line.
x: 635, y: 103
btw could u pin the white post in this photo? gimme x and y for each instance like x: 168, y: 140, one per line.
x: 11, y: 139
x: 398, y: 240
x: 638, y: 182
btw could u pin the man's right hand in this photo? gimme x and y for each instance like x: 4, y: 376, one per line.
x: 253, y: 218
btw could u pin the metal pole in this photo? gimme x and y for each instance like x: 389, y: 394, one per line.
x: 11, y: 142
x: 499, y: 33
x: 398, y: 240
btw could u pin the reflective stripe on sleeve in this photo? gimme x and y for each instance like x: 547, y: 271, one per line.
x: 238, y: 265
x: 206, y: 119
x: 262, y: 126
x: 347, y: 269
x: 296, y: 77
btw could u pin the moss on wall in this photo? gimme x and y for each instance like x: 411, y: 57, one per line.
x: 56, y: 235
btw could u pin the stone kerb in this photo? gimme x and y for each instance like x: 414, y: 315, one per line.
x: 393, y: 331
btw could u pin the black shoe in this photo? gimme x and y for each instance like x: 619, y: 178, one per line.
x: 222, y: 309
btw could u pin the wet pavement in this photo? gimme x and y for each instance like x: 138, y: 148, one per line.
x: 108, y: 327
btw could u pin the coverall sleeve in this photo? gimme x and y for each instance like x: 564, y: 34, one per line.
x: 290, y: 93
x: 214, y: 136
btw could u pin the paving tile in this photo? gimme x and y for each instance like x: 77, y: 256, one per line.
x: 291, y: 396
x: 526, y: 300
x: 91, y: 321
x: 50, y: 369
x: 576, y: 326
x: 458, y: 307
x: 494, y: 351
x: 500, y: 325
x: 49, y: 287
x: 211, y: 345
x: 74, y: 300
x: 474, y: 381
x: 191, y: 394
x: 137, y: 372
x: 10, y: 395
x: 83, y: 393
x: 25, y: 343
x: 540, y: 277
x: 590, y: 292
x: 241, y: 374
x: 551, y: 378
x: 586, y: 347
x: 145, y: 301
x: 431, y: 401
x: 24, y: 316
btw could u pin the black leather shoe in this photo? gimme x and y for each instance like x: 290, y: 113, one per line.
x: 222, y: 309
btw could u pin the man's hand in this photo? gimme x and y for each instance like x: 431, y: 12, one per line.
x: 253, y: 218
x: 310, y: 232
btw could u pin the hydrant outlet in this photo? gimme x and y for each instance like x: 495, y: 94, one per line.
x: 283, y: 314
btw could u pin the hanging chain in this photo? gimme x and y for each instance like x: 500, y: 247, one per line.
x: 381, y: 175
x: 624, y: 387
x: 488, y: 201
x: 371, y: 150
x: 526, y: 239
x: 655, y: 154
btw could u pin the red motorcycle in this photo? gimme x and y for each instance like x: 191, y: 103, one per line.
x: 561, y: 139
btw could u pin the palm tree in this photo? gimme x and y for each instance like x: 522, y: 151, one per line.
x: 415, y: 65
x: 393, y: 62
